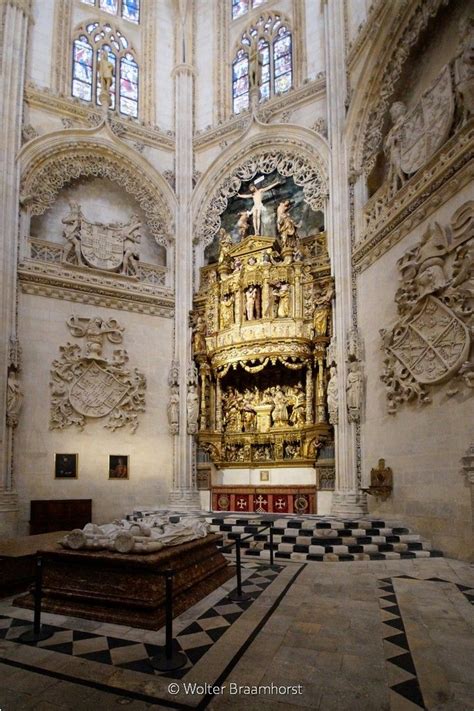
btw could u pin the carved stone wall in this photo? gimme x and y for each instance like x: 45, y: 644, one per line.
x: 420, y: 293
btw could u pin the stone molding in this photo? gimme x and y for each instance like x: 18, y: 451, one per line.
x: 44, y: 98
x: 445, y: 174
x: 50, y: 162
x: 290, y: 155
x: 267, y: 111
x: 91, y: 286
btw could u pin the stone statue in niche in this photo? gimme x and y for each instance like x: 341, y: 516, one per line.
x: 14, y: 398
x: 173, y: 410
x: 431, y: 341
x: 112, y: 247
x: 106, y: 78
x: 86, y: 384
x: 192, y: 403
x: 392, y: 147
x: 173, y: 402
x: 464, y: 69
x: 72, y: 234
x: 131, y: 240
x: 354, y: 391
x: 256, y: 195
x: 333, y: 396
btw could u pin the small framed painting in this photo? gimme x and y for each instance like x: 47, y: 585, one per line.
x: 118, y: 466
x: 264, y: 475
x: 65, y: 466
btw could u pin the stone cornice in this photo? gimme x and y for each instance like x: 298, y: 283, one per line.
x: 93, y: 287
x: 446, y: 173
x: 267, y: 111
x: 77, y: 111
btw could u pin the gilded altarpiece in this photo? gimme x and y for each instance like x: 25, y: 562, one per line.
x: 261, y: 327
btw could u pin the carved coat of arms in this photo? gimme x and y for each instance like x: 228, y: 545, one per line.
x: 101, y: 245
x: 85, y: 384
x: 427, y: 125
x: 431, y: 342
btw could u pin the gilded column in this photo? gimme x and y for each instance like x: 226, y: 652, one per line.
x: 14, y: 16
x: 184, y: 494
x: 309, y: 394
x: 218, y: 405
x: 348, y: 499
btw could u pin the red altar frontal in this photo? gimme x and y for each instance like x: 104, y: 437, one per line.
x: 265, y: 499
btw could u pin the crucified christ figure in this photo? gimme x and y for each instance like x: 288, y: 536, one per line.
x: 256, y: 195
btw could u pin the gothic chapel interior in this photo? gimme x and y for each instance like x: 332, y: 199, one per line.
x: 237, y: 267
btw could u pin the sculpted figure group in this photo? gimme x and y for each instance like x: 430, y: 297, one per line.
x: 288, y: 407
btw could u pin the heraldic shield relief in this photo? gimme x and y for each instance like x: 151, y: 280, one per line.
x: 85, y: 384
x: 434, y: 344
x: 427, y: 125
x: 101, y: 245
x: 431, y: 343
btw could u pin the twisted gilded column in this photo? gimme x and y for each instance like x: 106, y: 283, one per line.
x: 14, y: 15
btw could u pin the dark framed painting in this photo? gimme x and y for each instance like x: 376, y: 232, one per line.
x: 65, y: 466
x: 118, y: 466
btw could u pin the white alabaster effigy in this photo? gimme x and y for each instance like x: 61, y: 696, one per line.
x: 125, y: 536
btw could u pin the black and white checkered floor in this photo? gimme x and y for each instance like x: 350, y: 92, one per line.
x: 194, y: 640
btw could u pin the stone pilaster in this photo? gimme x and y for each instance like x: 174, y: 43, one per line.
x: 348, y: 500
x: 14, y: 15
x: 184, y: 494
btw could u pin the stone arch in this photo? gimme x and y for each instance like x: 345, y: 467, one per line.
x: 49, y: 163
x: 300, y: 153
x: 402, y: 26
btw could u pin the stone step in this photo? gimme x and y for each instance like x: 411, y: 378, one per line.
x: 323, y: 539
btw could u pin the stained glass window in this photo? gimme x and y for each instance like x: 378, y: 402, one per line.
x: 82, y: 69
x: 264, y: 51
x: 129, y: 86
x: 110, y: 6
x: 241, y: 7
x: 87, y: 50
x: 131, y: 10
x: 128, y: 9
x: 282, y: 61
x: 274, y: 43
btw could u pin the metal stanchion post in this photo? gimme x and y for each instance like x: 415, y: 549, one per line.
x: 37, y: 634
x: 271, y: 545
x: 167, y: 659
x: 238, y: 595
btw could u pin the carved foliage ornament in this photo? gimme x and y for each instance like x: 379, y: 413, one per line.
x: 86, y: 384
x: 43, y: 184
x: 286, y: 163
x: 431, y: 341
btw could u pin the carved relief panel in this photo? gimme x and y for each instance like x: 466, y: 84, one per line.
x: 85, y: 383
